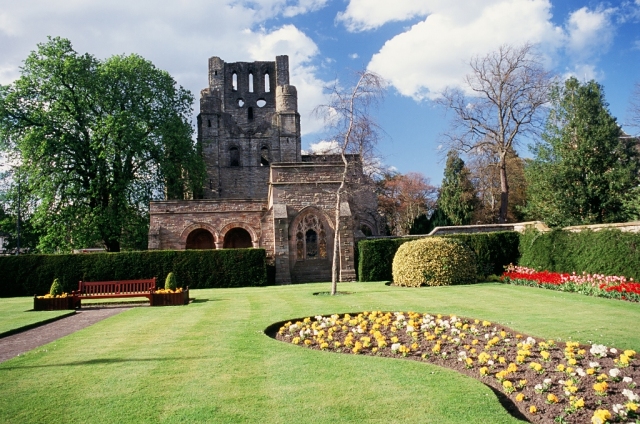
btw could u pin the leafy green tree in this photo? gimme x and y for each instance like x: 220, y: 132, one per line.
x: 97, y: 140
x: 583, y: 167
x: 457, y: 195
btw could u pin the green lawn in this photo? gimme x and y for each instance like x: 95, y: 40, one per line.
x: 17, y: 312
x: 210, y: 361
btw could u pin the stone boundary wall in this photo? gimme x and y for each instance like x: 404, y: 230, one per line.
x: 632, y: 227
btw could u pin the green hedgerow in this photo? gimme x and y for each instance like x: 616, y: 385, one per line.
x: 170, y: 283
x: 56, y: 288
x: 434, y: 261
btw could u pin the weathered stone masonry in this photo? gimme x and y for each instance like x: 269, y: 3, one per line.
x: 260, y: 190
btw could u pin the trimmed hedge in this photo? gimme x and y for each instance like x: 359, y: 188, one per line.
x: 27, y: 275
x: 493, y: 251
x: 608, y: 251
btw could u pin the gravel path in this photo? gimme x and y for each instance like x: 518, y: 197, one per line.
x: 12, y: 346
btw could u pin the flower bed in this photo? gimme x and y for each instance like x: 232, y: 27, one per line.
x: 165, y: 297
x: 547, y: 381
x: 53, y: 303
x: 614, y: 287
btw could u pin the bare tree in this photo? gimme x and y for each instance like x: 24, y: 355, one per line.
x: 634, y: 111
x: 502, y: 102
x: 348, y: 114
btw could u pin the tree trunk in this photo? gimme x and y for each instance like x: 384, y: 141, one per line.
x: 335, y: 266
x: 504, y: 190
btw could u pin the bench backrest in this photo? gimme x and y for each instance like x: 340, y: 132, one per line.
x: 116, y: 287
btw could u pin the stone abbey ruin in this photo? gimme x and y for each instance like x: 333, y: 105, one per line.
x: 260, y: 190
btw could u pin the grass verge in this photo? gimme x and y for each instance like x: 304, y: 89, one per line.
x: 210, y: 362
x: 17, y: 313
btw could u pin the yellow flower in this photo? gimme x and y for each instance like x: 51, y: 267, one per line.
x: 551, y: 398
x: 600, y: 416
x: 484, y: 371
x: 560, y: 367
x: 630, y: 353
x: 602, y: 377
x: 591, y: 371
x: 533, y: 409
x: 507, y: 384
x: 519, y: 397
x: 324, y: 345
x: 601, y: 387
x: 308, y: 342
x: 579, y: 403
x: 572, y: 361
x: 632, y: 406
x: 545, y: 355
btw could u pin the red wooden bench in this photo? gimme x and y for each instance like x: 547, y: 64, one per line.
x: 113, y: 289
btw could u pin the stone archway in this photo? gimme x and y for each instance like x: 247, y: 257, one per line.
x: 237, y: 238
x: 200, y: 239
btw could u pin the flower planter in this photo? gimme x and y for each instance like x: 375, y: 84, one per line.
x: 170, y: 299
x: 53, y: 303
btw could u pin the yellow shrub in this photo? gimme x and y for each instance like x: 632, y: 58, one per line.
x: 433, y: 261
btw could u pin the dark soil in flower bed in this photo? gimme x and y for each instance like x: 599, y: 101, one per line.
x: 455, y: 339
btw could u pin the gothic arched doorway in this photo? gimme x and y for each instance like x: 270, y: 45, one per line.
x: 237, y: 238
x: 200, y: 239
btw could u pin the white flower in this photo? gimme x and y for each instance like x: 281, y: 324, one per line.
x: 293, y: 327
x: 613, y: 350
x: 318, y: 317
x: 409, y: 329
x: 537, y: 387
x: 489, y: 362
x: 627, y: 380
x: 395, y: 346
x: 614, y: 372
x: 598, y: 350
x: 630, y: 395
x: 530, y: 341
x: 594, y: 365
x: 547, y: 381
x: 462, y: 355
x: 620, y: 410
x: 581, y: 372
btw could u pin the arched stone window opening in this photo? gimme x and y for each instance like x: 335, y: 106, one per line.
x: 366, y: 230
x: 209, y: 123
x: 311, y: 239
x: 267, y: 87
x: 264, y: 156
x: 234, y: 156
x: 250, y: 82
x: 250, y: 113
x: 240, y: 102
x: 234, y: 82
x: 237, y: 238
x: 261, y: 103
x: 200, y: 239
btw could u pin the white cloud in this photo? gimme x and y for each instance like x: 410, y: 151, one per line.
x: 589, y: 32
x: 362, y: 15
x: 584, y: 72
x: 354, y: 56
x: 304, y: 6
x: 324, y: 147
x: 434, y: 53
x: 178, y: 37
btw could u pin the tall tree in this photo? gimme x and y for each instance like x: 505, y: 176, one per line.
x: 96, y: 141
x: 403, y: 198
x: 502, y: 102
x: 485, y: 175
x: 349, y: 114
x: 457, y: 199
x: 583, y: 168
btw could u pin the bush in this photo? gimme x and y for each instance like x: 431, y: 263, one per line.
x: 608, y: 251
x: 56, y: 288
x: 493, y: 251
x: 26, y: 275
x: 434, y: 261
x: 170, y: 283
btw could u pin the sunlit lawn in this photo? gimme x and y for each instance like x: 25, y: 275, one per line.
x: 210, y: 361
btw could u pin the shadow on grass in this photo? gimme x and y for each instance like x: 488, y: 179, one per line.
x: 106, y: 361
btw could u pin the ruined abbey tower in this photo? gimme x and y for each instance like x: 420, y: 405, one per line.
x: 260, y: 191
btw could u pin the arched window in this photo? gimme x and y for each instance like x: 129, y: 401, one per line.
x: 237, y: 238
x: 311, y: 239
x: 200, y: 239
x: 264, y: 156
x: 250, y: 82
x: 250, y: 113
x: 234, y: 82
x: 234, y: 156
x: 267, y: 87
x: 366, y: 230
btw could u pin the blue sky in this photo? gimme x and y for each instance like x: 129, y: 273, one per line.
x: 419, y: 46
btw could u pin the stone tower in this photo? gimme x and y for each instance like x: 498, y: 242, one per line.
x: 248, y: 119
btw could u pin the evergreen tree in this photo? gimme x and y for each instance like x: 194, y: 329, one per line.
x: 457, y: 195
x: 583, y: 168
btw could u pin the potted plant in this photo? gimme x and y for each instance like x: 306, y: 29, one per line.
x: 171, y: 295
x: 55, y: 300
